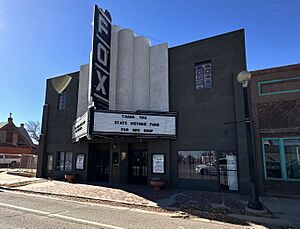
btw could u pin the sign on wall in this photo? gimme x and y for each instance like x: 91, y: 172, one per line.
x: 80, y: 127
x: 158, y: 163
x: 134, y: 124
x: 100, y: 59
x: 80, y: 161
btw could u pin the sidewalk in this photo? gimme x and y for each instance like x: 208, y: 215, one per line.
x: 8, y: 180
x: 225, y: 207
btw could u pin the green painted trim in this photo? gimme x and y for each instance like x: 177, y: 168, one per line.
x: 278, y: 179
x: 281, y: 179
x: 291, y: 138
x: 259, y: 88
x: 282, y: 159
x: 279, y: 92
x: 298, y: 137
x: 293, y: 179
x: 279, y: 80
x: 275, y: 81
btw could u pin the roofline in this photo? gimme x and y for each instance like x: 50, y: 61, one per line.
x: 223, y: 34
x: 60, y: 75
x: 17, y: 128
x: 4, y: 125
x: 275, y: 69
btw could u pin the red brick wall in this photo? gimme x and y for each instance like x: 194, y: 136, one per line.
x: 14, y: 150
x: 275, y: 115
x: 10, y: 130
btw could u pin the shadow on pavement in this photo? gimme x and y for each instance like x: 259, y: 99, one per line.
x: 214, y: 206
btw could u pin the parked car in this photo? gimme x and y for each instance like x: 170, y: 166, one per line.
x: 11, y: 160
x: 211, y: 168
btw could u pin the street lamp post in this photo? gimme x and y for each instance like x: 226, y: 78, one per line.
x: 253, y: 203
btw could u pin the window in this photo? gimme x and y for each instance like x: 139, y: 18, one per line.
x: 203, y: 75
x: 50, y: 162
x: 15, y: 139
x: 228, y: 171
x: 272, y: 158
x: 2, y: 136
x: 292, y: 158
x: 199, y: 165
x: 64, y: 161
x: 62, y: 99
x: 281, y: 158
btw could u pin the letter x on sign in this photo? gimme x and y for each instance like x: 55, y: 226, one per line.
x: 101, y: 79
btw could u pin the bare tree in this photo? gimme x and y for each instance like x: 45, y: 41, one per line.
x: 33, y: 129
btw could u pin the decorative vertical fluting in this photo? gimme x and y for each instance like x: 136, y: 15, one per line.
x: 159, y: 80
x: 141, y: 72
x: 113, y: 67
x: 125, y: 70
x: 83, y: 90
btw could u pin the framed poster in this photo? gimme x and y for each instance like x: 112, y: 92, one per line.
x: 80, y: 161
x: 158, y: 163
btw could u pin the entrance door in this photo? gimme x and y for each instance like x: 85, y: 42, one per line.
x: 138, y: 170
x: 101, y: 165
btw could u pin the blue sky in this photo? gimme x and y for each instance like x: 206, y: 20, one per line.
x: 40, y: 39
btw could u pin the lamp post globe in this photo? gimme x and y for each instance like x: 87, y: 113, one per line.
x: 244, y: 77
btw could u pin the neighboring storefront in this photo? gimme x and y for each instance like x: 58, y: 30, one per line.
x: 138, y: 112
x: 275, y: 103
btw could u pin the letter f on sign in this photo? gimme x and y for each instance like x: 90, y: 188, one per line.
x: 101, y: 79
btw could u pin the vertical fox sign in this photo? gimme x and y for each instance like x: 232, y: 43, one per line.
x: 100, y: 59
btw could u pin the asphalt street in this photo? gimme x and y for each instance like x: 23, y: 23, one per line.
x: 18, y: 210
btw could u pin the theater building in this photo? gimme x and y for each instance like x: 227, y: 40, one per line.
x: 275, y: 103
x: 138, y: 112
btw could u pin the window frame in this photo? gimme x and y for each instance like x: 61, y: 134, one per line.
x: 220, y: 171
x: 203, y: 80
x: 211, y: 177
x: 62, y: 100
x: 57, y: 159
x: 282, y: 159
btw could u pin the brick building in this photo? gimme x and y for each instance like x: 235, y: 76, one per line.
x: 275, y: 107
x: 15, y: 140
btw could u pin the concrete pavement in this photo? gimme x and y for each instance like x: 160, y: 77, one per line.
x: 28, y: 211
x: 194, y: 203
x: 287, y: 209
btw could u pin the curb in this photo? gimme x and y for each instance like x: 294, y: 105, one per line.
x: 80, y: 197
x: 263, y: 220
x: 254, y: 219
x: 20, y: 184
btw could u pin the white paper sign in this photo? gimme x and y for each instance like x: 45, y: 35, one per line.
x: 232, y: 173
x: 80, y: 161
x: 158, y: 163
x: 139, y: 124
